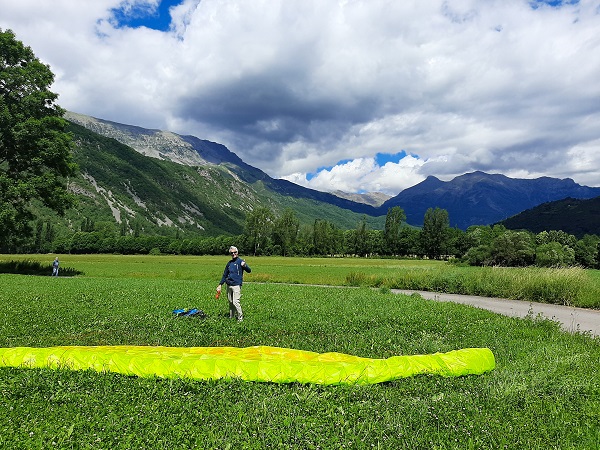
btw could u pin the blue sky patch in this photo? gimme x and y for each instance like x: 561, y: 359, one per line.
x: 383, y: 158
x: 145, y: 16
x: 535, y: 4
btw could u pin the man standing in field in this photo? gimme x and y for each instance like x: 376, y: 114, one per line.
x: 55, y: 265
x: 233, y: 277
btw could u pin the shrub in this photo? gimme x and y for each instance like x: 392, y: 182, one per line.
x: 554, y: 254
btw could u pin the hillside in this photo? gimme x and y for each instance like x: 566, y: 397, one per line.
x: 482, y: 199
x: 573, y: 216
x: 192, y: 151
x: 121, y: 188
x: 474, y: 198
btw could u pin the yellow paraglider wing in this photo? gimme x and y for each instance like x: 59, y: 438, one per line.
x: 259, y: 363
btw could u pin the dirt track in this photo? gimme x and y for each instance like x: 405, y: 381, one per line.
x: 571, y: 319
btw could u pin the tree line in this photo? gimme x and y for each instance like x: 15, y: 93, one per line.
x: 266, y: 234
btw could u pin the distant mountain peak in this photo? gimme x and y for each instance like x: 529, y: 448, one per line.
x: 369, y: 198
x: 430, y: 181
x: 479, y: 198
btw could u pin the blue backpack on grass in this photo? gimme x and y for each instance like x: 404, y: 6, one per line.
x: 194, y: 312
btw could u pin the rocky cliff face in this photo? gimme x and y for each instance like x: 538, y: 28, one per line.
x: 153, y: 143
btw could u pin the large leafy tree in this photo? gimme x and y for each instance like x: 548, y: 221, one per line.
x: 391, y: 233
x: 361, y: 238
x: 322, y: 237
x: 327, y: 238
x: 285, y: 230
x: 408, y: 244
x: 35, y: 150
x: 259, y: 228
x: 514, y: 248
x: 434, y: 235
x: 586, y: 251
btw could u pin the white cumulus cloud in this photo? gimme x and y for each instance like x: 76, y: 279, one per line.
x: 291, y: 86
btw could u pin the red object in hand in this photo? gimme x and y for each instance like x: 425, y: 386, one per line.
x: 218, y: 294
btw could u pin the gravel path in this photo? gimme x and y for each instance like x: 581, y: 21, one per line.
x: 571, y: 319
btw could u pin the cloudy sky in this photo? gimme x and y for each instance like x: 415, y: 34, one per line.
x: 356, y: 95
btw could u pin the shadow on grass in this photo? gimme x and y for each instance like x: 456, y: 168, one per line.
x: 35, y: 268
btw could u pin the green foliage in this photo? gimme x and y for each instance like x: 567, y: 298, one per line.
x: 513, y: 248
x: 434, y: 236
x: 285, y: 231
x: 586, y: 251
x: 409, y: 242
x: 480, y: 255
x: 35, y: 150
x: 361, y: 244
x: 391, y: 232
x: 259, y: 228
x: 326, y: 238
x: 128, y: 300
x: 558, y: 236
x: 458, y: 242
x: 553, y: 254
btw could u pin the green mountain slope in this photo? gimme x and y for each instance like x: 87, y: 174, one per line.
x: 122, y: 189
x: 193, y: 151
x: 573, y: 216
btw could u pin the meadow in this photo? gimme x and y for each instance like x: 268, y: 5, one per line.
x: 543, y: 393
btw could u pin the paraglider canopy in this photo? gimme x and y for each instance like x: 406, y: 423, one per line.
x: 259, y: 363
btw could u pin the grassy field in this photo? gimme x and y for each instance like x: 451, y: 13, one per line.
x: 572, y: 286
x: 544, y: 392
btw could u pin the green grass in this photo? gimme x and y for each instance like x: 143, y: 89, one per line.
x: 544, y: 392
x: 570, y: 286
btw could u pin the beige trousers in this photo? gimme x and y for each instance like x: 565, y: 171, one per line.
x: 234, y: 295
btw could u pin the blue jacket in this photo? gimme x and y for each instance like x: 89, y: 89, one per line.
x: 233, y: 275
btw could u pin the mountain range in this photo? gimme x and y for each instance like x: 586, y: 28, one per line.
x: 119, y: 187
x: 168, y: 180
x: 192, y: 151
x: 479, y: 198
